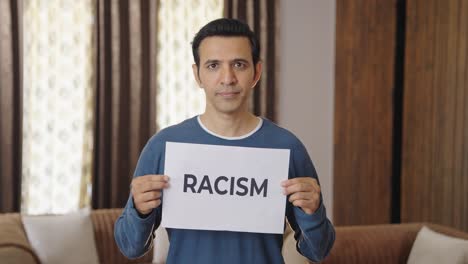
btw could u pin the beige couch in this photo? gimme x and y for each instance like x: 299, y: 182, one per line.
x: 383, y: 244
x: 15, y: 247
x: 356, y: 244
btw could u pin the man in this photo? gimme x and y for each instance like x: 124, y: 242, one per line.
x: 227, y: 67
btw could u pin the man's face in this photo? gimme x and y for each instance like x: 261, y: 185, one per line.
x: 226, y: 73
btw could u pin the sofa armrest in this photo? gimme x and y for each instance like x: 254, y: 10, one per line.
x: 103, y: 224
x: 390, y: 243
x: 14, y: 245
x: 373, y: 244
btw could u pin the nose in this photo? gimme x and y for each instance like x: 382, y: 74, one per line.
x: 228, y: 76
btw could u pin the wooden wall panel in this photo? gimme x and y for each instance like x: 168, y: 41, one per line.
x: 435, y: 129
x: 365, y: 55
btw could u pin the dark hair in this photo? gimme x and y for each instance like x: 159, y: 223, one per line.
x: 229, y: 28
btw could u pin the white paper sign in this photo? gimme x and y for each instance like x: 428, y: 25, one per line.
x: 225, y: 188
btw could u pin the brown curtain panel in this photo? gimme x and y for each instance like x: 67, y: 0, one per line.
x: 11, y: 109
x: 125, y: 113
x: 262, y: 17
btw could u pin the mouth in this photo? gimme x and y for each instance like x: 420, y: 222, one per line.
x: 229, y: 94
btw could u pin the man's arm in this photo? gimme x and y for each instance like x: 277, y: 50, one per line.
x: 142, y: 214
x: 305, y: 211
x: 133, y: 230
x: 307, y: 216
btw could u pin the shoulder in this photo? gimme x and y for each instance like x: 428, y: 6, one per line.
x: 282, y: 135
x: 172, y: 133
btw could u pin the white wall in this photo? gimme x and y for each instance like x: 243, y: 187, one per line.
x: 306, y: 90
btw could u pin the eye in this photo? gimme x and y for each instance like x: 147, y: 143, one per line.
x: 239, y: 65
x: 212, y: 66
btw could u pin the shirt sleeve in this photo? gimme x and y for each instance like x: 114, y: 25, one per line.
x: 132, y: 232
x: 314, y: 233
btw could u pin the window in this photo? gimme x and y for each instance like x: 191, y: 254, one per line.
x: 179, y: 96
x: 59, y: 81
x: 58, y: 84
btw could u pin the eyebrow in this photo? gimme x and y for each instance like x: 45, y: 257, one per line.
x: 234, y: 60
x: 211, y: 61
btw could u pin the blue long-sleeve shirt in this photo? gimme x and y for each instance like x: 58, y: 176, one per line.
x: 314, y: 233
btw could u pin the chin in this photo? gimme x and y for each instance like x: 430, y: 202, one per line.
x: 228, y: 107
x: 228, y: 110
x: 232, y: 107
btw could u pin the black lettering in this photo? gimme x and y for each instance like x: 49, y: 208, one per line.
x: 232, y: 186
x: 205, y: 185
x: 254, y: 187
x: 216, y: 184
x: 241, y: 186
x: 242, y: 189
x: 189, y: 185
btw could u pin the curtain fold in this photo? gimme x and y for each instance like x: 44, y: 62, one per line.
x: 125, y: 110
x: 262, y: 17
x: 11, y: 89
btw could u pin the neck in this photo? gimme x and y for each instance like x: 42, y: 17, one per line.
x: 229, y: 125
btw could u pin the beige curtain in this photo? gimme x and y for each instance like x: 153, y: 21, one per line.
x: 10, y: 105
x: 58, y: 83
x: 125, y: 110
x: 262, y: 16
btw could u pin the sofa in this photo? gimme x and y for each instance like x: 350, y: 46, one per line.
x: 15, y: 247
x: 354, y: 244
x: 383, y: 244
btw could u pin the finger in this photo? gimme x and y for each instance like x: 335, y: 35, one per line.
x: 307, y: 205
x: 150, y: 177
x: 150, y: 186
x: 298, y: 187
x: 311, y: 196
x: 292, y: 181
x: 301, y: 196
x: 147, y: 206
x: 148, y: 196
x: 316, y: 185
x: 303, y: 203
x: 159, y: 178
x: 308, y: 180
x: 296, y: 180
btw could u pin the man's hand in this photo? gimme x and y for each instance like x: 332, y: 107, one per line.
x: 146, y: 192
x: 304, y: 193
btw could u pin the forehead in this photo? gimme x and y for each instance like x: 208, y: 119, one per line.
x: 220, y: 47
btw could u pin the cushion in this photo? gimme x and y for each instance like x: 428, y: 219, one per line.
x: 289, y: 251
x: 432, y: 247
x: 161, y: 245
x: 62, y: 238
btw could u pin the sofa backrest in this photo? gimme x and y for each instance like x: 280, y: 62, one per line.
x: 388, y: 243
x: 354, y: 244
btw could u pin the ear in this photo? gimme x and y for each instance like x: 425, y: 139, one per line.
x: 196, y: 75
x: 258, y: 73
